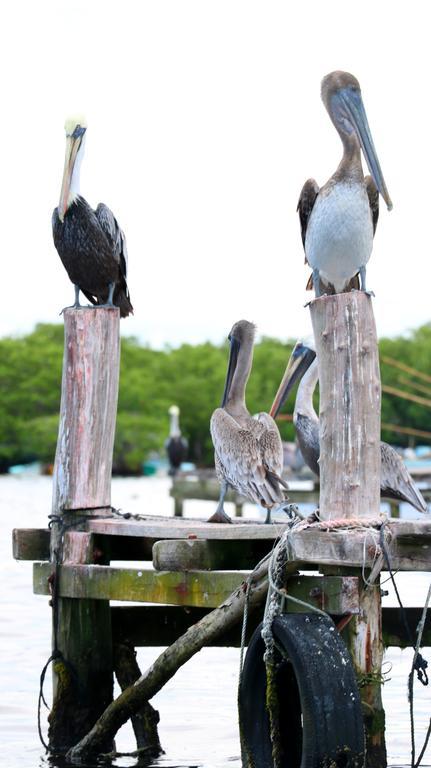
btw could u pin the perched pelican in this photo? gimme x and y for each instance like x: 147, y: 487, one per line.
x: 90, y: 243
x: 395, y: 481
x: 338, y: 221
x: 176, y: 445
x: 248, y: 451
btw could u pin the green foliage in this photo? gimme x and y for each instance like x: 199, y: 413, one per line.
x: 413, y: 350
x: 151, y: 380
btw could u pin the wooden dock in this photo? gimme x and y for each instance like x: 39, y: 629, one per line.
x: 193, y: 581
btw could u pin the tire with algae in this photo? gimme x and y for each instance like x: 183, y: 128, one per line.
x: 303, y: 709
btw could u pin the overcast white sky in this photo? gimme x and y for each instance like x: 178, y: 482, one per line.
x: 204, y: 120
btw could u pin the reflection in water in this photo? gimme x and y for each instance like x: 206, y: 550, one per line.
x: 198, y: 725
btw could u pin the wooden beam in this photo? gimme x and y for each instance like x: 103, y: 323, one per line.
x: 182, y: 528
x: 407, y: 368
x: 349, y: 386
x: 160, y: 625
x: 406, y: 430
x: 406, y: 395
x: 414, y: 385
x: 98, y: 582
x: 409, y: 547
x: 30, y: 543
x: 33, y: 544
x: 394, y: 633
x: 197, y: 554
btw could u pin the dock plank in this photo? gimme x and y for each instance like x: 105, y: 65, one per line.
x: 183, y: 528
x: 158, y: 625
x: 206, y: 589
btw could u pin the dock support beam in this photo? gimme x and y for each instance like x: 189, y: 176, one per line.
x: 82, y: 641
x: 364, y: 640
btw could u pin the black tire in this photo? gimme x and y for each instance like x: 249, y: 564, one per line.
x: 320, y: 716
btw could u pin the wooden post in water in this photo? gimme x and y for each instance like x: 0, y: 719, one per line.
x: 350, y: 402
x: 83, y: 671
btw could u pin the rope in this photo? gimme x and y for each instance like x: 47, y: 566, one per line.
x: 420, y: 630
x: 419, y: 664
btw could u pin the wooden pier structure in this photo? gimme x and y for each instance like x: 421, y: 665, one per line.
x: 195, y: 579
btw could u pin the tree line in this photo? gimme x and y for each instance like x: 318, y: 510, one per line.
x: 191, y: 376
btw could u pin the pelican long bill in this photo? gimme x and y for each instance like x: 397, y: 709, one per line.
x: 352, y: 102
x: 299, y: 361
x: 233, y: 359
x: 73, y: 144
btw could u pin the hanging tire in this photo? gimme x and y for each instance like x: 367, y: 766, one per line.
x: 316, y: 698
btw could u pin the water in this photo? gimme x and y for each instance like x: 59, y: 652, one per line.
x: 198, y: 713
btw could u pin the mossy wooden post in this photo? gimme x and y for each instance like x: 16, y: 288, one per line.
x: 350, y: 402
x: 83, y: 683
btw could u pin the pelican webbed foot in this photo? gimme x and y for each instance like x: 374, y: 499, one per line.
x: 77, y: 304
x: 109, y: 304
x: 362, y: 273
x: 220, y: 515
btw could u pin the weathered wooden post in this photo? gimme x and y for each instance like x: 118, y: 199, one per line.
x: 349, y: 383
x: 350, y: 393
x: 82, y: 644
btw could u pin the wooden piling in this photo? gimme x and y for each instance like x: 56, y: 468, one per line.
x: 364, y: 640
x: 350, y: 401
x: 82, y: 641
x: 349, y: 383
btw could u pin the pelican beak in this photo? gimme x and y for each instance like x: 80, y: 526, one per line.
x: 353, y: 104
x: 300, y: 360
x: 73, y: 144
x: 233, y: 359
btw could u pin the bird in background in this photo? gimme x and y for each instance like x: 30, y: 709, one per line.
x: 338, y: 220
x: 89, y: 242
x: 176, y: 445
x: 248, y: 451
x: 395, y: 480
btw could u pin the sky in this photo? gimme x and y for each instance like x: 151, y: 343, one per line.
x: 204, y: 121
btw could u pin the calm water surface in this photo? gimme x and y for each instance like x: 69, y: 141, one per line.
x: 198, y: 715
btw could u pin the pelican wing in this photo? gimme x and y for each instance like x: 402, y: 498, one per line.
x: 271, y: 445
x: 241, y: 457
x: 115, y: 235
x: 373, y: 197
x: 306, y: 201
x: 395, y: 480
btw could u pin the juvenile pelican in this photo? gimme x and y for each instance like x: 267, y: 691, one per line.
x: 176, y: 445
x: 338, y: 221
x: 248, y: 451
x: 395, y: 481
x: 90, y: 243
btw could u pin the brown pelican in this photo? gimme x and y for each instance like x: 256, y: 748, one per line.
x: 338, y: 221
x: 90, y: 243
x: 248, y: 451
x: 395, y: 481
x: 176, y: 445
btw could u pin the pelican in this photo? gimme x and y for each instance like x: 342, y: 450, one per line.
x: 395, y: 481
x: 176, y: 445
x: 338, y: 221
x: 89, y: 242
x: 248, y: 451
